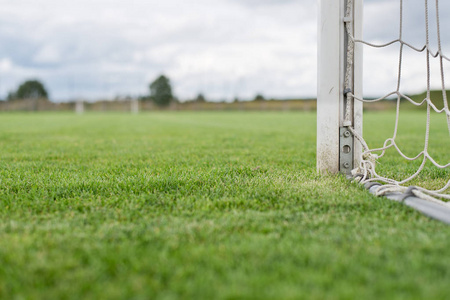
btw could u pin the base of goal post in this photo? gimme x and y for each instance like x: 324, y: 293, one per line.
x: 434, y: 210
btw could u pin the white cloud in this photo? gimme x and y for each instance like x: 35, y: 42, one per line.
x: 107, y: 47
x: 48, y: 54
x: 223, y: 48
x: 5, y: 65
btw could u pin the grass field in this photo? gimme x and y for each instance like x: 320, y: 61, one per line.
x: 205, y: 206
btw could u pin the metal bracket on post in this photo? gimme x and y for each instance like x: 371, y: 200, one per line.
x: 345, y: 151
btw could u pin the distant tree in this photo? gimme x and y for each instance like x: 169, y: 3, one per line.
x: 11, y: 96
x: 144, y: 98
x: 161, y: 91
x: 259, y: 97
x: 30, y: 89
x: 200, y: 98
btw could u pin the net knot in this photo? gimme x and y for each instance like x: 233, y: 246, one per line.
x: 370, y: 157
x: 408, y: 193
x: 366, y: 168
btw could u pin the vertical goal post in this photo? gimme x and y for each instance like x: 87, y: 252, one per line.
x: 340, y: 141
x: 337, y: 150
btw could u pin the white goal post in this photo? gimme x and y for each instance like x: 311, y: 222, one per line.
x: 335, y: 153
x: 340, y: 143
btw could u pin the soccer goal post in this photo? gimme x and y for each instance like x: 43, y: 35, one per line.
x: 341, y: 146
x: 339, y: 75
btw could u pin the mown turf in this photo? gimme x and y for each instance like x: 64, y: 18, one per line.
x: 200, y: 206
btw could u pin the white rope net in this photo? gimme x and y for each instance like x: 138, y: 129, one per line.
x: 371, y: 158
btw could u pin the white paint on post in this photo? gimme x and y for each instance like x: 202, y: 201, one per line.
x: 332, y: 50
x: 330, y: 83
x: 358, y: 80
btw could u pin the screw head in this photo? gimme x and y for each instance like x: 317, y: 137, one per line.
x: 346, y: 165
x: 347, y: 133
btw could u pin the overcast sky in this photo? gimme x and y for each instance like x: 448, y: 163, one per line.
x: 222, y: 48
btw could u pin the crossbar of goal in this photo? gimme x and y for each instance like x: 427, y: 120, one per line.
x: 335, y: 153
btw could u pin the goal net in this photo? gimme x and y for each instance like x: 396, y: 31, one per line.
x: 413, y: 155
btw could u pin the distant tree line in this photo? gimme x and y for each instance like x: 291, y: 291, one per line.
x: 160, y: 92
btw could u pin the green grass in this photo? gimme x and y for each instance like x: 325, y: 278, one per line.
x: 411, y: 140
x: 202, y: 206
x: 436, y: 97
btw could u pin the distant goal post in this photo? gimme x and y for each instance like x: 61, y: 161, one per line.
x: 337, y: 151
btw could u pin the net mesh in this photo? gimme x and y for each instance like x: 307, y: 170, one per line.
x: 372, y: 157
